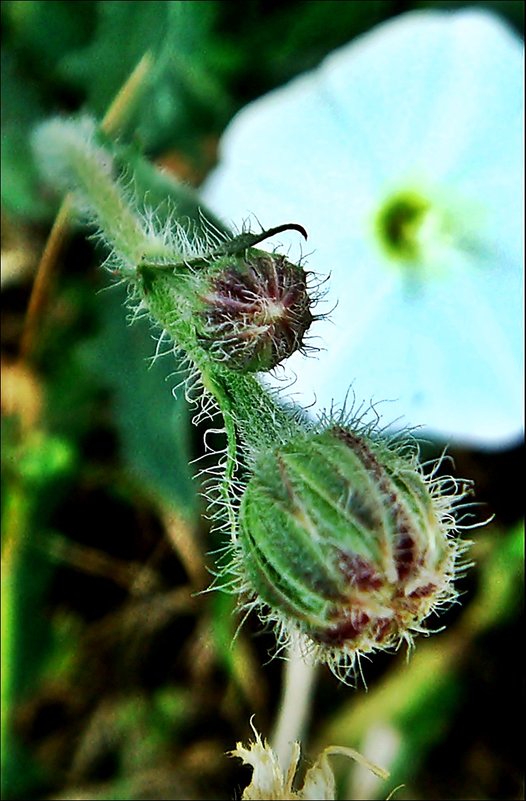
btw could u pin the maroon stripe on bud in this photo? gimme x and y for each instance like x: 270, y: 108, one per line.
x: 383, y: 628
x: 358, y: 571
x: 405, y: 547
x: 348, y: 629
x: 359, y: 446
x: 423, y: 592
x: 404, y: 553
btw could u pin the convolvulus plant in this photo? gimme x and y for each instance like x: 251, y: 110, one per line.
x: 338, y: 535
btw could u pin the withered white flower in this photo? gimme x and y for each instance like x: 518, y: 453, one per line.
x: 270, y: 783
x: 402, y: 155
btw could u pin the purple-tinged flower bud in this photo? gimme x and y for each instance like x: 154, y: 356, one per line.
x: 255, y: 311
x: 232, y: 305
x: 343, y: 540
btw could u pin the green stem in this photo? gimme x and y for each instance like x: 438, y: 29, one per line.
x: 252, y: 417
x: 299, y: 681
x: 260, y: 417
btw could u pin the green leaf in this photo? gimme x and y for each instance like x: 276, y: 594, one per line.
x: 185, y: 96
x: 21, y: 109
x: 153, y: 425
x: 160, y: 191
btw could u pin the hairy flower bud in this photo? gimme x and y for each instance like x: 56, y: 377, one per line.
x: 343, y: 539
x: 233, y: 304
x: 255, y: 310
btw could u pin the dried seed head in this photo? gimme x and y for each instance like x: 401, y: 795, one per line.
x: 255, y: 310
x: 343, y: 540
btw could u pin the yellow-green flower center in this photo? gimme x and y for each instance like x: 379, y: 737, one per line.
x: 400, y: 223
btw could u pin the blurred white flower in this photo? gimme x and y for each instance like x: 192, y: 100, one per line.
x: 402, y: 155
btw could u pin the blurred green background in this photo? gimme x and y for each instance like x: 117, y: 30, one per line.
x: 118, y: 680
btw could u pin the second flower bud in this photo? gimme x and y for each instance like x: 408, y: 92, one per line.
x: 344, y: 540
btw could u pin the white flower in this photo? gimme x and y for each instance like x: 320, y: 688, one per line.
x: 271, y: 783
x: 402, y: 155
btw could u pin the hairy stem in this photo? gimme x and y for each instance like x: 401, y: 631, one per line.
x: 260, y: 417
x: 115, y: 116
x: 252, y: 419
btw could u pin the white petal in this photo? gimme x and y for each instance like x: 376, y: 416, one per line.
x: 430, y: 98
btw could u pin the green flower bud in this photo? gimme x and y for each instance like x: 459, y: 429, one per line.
x: 344, y: 540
